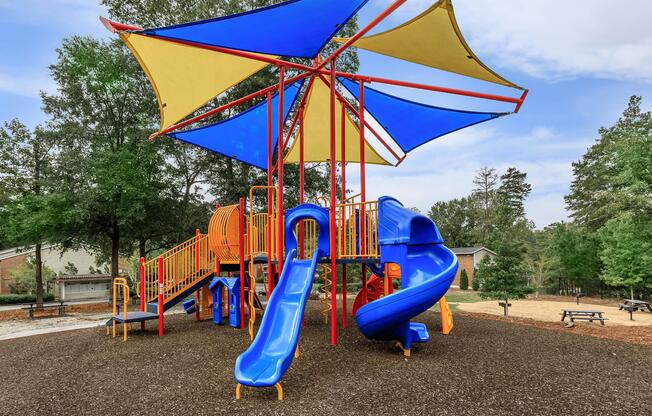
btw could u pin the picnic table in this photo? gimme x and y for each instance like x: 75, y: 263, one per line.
x: 584, y: 315
x: 634, y: 305
x: 61, y: 307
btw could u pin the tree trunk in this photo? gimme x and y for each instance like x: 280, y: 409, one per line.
x: 631, y: 292
x: 39, y: 275
x: 142, y: 248
x: 506, y: 307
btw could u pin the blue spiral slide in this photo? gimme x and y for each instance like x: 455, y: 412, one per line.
x: 409, y: 239
x: 427, y: 271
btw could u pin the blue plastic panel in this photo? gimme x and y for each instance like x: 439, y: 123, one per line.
x: 244, y: 136
x: 295, y: 28
x: 412, y: 124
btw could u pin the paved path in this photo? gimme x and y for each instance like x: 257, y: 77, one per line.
x: 18, y: 306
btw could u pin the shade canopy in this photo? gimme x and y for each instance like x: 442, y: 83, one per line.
x: 434, y: 39
x: 184, y: 77
x: 412, y: 124
x: 316, y: 126
x: 244, y: 136
x: 295, y: 28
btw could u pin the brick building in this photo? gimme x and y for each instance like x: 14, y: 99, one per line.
x: 469, y: 259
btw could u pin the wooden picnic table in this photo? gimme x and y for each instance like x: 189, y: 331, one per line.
x: 633, y: 304
x: 585, y: 315
x: 61, y: 306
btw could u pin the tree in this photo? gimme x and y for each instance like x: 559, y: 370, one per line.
x: 457, y: 220
x: 612, y: 176
x: 626, y: 252
x: 24, y: 277
x: 33, y: 212
x: 485, y: 182
x: 506, y: 276
x: 513, y: 191
x: 475, y: 283
x: 464, y: 280
x: 102, y: 114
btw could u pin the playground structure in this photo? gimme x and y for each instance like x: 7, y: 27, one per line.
x: 314, y: 114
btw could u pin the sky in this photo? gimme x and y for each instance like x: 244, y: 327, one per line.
x: 581, y: 62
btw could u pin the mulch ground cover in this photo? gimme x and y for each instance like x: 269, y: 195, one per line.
x: 485, y: 367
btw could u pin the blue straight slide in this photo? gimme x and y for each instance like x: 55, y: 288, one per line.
x: 427, y: 271
x: 270, y: 354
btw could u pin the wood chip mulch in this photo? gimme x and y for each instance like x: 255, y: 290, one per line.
x: 485, y: 367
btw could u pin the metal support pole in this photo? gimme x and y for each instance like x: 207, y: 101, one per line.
x: 343, y: 243
x: 198, y: 272
x: 281, y: 149
x: 143, y: 294
x: 270, y: 196
x: 302, y: 183
x: 241, y: 254
x: 161, y: 288
x: 333, y: 213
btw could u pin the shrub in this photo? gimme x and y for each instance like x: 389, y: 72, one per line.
x: 23, y: 298
x: 475, y: 283
x: 464, y: 280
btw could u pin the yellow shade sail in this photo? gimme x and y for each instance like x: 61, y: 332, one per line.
x: 316, y: 132
x: 433, y: 39
x: 186, y: 77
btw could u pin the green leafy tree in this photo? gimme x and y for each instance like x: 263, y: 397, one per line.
x: 24, y: 277
x: 464, y: 280
x: 102, y: 114
x: 513, y: 191
x: 457, y: 220
x: 626, y: 252
x: 475, y: 283
x: 506, y: 276
x: 34, y: 211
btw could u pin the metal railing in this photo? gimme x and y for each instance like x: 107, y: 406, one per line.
x: 179, y: 267
x: 357, y: 230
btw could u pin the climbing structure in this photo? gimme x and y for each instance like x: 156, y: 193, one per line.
x: 315, y: 113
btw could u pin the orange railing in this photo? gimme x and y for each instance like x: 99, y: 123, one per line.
x: 262, y: 236
x: 357, y: 224
x: 181, y: 267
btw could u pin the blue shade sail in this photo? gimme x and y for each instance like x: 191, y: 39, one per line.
x: 295, y: 28
x: 244, y: 136
x: 412, y: 124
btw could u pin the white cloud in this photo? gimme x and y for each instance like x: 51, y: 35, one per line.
x: 25, y: 84
x: 556, y: 40
x: 445, y: 169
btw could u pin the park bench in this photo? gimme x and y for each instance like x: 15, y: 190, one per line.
x: 32, y: 308
x: 584, y: 315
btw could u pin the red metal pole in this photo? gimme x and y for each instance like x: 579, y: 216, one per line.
x: 363, y: 193
x: 281, y: 149
x: 197, y: 271
x: 333, y: 202
x: 454, y: 91
x: 143, y: 295
x: 241, y: 254
x: 362, y: 31
x: 343, y: 164
x: 270, y: 196
x: 302, y: 179
x: 161, y: 288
